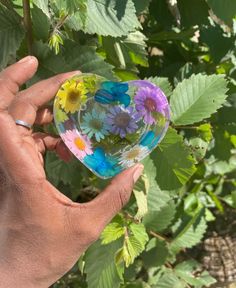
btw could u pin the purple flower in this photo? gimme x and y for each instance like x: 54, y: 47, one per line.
x: 122, y: 121
x: 149, y: 100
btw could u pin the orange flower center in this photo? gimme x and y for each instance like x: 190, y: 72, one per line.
x: 79, y: 143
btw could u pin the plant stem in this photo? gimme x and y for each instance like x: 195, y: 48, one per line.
x: 28, y: 26
x: 158, y: 236
x: 185, y: 127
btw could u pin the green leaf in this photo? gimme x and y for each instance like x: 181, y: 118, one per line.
x: 173, y: 162
x: 205, y: 131
x: 75, y: 57
x: 140, y: 192
x: 160, y: 220
x: 156, y: 198
x: 140, y: 6
x: 221, y: 139
x: 134, y: 243
x: 59, y: 171
x: 41, y: 23
x: 198, y: 148
x: 126, y: 52
x: 156, y: 253
x: 100, y: 266
x: 187, y: 271
x: 43, y: 5
x: 214, y: 34
x: 74, y: 5
x: 163, y: 83
x: 114, y: 18
x: 224, y: 9
x: 84, y: 58
x: 11, y: 34
x: 197, y: 98
x: 194, y: 12
x: 172, y: 36
x: 114, y: 230
x: 170, y: 280
x: 233, y: 194
x: 191, y: 233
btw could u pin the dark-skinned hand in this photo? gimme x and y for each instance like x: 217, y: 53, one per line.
x: 42, y: 232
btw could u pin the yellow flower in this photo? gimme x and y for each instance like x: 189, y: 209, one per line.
x: 72, y: 95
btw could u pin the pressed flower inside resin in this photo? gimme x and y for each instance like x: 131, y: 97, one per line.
x: 110, y: 126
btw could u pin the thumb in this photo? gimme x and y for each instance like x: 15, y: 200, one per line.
x: 106, y: 205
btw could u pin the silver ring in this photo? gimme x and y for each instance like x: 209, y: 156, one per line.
x: 23, y: 123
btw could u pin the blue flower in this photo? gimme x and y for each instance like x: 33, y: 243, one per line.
x: 150, y: 140
x: 113, y: 92
x: 104, y: 166
x: 93, y: 124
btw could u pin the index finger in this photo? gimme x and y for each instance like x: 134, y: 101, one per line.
x: 27, y: 102
x: 42, y: 92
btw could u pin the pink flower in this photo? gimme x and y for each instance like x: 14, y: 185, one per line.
x: 79, y: 145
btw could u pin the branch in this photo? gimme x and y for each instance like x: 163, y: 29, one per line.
x: 28, y: 26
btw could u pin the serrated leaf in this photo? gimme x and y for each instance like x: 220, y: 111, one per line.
x: 191, y: 234
x: 126, y: 52
x: 114, y: 18
x: 134, y: 243
x: 140, y: 192
x: 100, y: 266
x: 224, y: 9
x: 114, y: 230
x: 75, y: 57
x: 74, y: 5
x: 59, y: 171
x: 187, y: 271
x: 160, y: 220
x: 43, y: 5
x: 156, y: 198
x: 197, y: 98
x: 41, y: 23
x: 173, y: 162
x: 84, y: 58
x: 132, y: 248
x: 156, y: 253
x: 11, y: 34
x: 163, y: 83
x: 170, y: 280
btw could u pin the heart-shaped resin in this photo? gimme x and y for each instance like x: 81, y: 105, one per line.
x: 110, y: 126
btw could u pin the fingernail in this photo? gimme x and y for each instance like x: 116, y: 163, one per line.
x: 138, y: 172
x: 26, y: 59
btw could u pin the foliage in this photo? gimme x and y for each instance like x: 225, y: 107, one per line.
x: 188, y: 49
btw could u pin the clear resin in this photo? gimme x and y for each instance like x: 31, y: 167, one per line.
x: 110, y: 126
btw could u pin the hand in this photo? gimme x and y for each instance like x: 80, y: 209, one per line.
x: 42, y: 232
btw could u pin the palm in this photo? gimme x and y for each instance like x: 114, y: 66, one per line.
x: 42, y: 231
